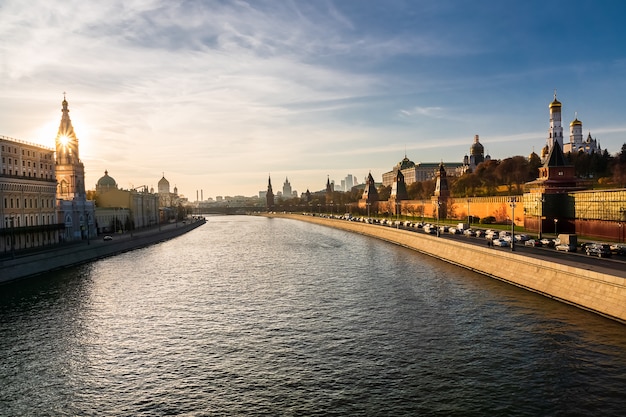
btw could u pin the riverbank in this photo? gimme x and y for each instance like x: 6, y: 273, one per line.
x: 595, y: 291
x: 23, y: 266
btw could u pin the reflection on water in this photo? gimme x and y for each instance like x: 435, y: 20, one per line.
x: 255, y: 316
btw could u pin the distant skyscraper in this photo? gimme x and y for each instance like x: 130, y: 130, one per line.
x: 287, y: 188
x: 349, y: 182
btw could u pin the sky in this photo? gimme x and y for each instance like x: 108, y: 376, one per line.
x: 220, y: 95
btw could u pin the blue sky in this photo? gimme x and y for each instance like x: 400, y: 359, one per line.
x: 219, y: 94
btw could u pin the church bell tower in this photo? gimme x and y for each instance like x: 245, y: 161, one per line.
x: 70, y: 171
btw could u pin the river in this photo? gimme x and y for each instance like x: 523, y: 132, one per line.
x: 250, y: 316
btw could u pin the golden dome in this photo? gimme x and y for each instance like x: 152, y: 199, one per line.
x: 555, y: 103
x: 576, y: 122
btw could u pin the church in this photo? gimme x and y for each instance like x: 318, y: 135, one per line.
x: 74, y: 210
x: 576, y: 142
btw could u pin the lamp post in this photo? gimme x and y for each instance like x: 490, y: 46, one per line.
x: 397, y: 214
x: 541, y: 201
x: 556, y: 221
x: 512, y: 202
x: 469, y: 218
x: 368, y: 209
x: 438, y: 203
x: 88, y: 217
x: 12, y: 236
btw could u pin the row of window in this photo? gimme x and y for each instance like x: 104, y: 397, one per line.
x: 30, y: 174
x: 25, y: 152
x: 41, y: 165
x: 29, y: 220
x: 28, y: 203
x: 37, y: 240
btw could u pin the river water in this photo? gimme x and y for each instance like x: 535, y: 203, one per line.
x: 249, y: 316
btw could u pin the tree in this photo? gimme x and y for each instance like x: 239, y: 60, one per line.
x: 513, y: 171
x: 466, y: 185
x: 485, y: 171
x: 384, y: 192
x: 619, y: 167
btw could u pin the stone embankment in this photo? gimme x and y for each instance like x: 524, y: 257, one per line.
x: 82, y: 252
x: 601, y: 293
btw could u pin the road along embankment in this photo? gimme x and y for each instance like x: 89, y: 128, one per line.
x: 598, y: 292
x: 76, y: 254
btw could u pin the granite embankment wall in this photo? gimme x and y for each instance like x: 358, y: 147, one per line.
x: 75, y: 254
x: 598, y: 292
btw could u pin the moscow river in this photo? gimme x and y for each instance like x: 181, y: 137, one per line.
x: 250, y: 316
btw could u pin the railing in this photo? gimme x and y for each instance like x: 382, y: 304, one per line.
x: 24, y: 142
x: 7, y: 231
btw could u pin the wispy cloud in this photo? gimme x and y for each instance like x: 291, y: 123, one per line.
x: 434, y: 112
x: 199, y: 86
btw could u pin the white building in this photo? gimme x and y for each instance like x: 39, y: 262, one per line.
x: 555, y: 133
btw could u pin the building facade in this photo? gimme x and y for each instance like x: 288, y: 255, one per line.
x: 120, y: 210
x: 28, y: 212
x: 417, y: 172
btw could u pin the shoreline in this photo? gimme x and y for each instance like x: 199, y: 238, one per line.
x: 51, y: 259
x: 598, y: 292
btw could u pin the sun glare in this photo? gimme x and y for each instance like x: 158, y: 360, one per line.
x: 64, y: 140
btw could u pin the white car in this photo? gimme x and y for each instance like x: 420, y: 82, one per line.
x: 522, y: 238
x: 565, y: 248
x: 500, y: 242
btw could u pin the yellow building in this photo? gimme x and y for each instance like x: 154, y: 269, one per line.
x: 119, y: 210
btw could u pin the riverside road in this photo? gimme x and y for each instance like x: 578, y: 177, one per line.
x: 616, y: 265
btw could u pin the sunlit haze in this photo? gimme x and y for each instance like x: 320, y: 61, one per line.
x: 220, y: 94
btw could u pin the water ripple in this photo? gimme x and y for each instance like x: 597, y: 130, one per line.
x: 265, y: 317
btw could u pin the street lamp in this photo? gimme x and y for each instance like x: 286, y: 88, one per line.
x: 512, y: 202
x: 555, y: 229
x: 540, y: 215
x: 397, y: 214
x: 469, y: 218
x: 438, y: 203
x: 12, y: 235
x: 368, y: 209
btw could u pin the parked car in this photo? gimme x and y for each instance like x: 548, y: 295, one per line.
x: 469, y: 232
x: 522, y: 237
x: 500, y: 242
x: 532, y: 242
x: 547, y: 242
x: 107, y: 237
x: 564, y: 247
x: 618, y: 248
x: 490, y: 234
x: 601, y: 250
